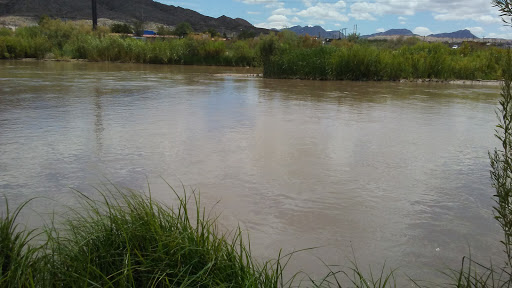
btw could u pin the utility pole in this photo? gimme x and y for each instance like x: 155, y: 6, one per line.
x: 94, y: 15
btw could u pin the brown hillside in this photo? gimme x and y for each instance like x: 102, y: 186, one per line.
x: 123, y: 10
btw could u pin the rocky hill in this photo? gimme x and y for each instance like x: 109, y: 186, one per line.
x: 461, y: 34
x: 392, y: 32
x: 314, y: 31
x: 125, y: 11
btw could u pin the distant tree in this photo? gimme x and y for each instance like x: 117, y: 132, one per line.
x: 43, y: 19
x: 213, y: 33
x: 246, y: 34
x: 183, y: 29
x: 354, y: 37
x: 163, y: 30
x: 138, y: 28
x: 505, y: 7
x: 121, y: 28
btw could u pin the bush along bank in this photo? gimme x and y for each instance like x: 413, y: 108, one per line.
x: 55, y: 39
x: 363, y: 60
x: 282, y: 55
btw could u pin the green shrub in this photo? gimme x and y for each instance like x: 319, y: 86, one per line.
x: 5, y: 32
x: 121, y: 28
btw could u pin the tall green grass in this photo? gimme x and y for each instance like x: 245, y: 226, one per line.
x: 19, y: 260
x: 129, y: 240
x: 56, y: 39
x: 364, y: 61
x: 124, y: 238
x: 282, y: 55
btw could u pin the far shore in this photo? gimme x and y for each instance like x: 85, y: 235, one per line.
x: 260, y: 75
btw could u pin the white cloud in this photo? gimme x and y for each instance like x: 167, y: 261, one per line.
x: 363, y: 16
x: 334, y: 12
x: 282, y: 11
x: 486, y: 19
x: 276, y: 21
x: 442, y: 10
x: 325, y: 11
x: 307, y: 3
x: 422, y: 31
x: 381, y: 30
x: 267, y: 3
x: 500, y: 35
x: 257, y: 1
x: 477, y: 31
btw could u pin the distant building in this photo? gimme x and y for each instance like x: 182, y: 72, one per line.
x: 149, y: 33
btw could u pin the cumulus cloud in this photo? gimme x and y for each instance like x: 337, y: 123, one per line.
x: 442, y: 10
x: 325, y: 11
x: 267, y: 3
x: 276, y: 21
x: 282, y: 11
x: 477, y: 31
x: 335, y: 11
x: 381, y: 30
x: 307, y: 3
x: 422, y: 31
x: 500, y: 35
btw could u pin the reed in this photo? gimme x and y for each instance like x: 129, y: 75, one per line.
x: 20, y: 261
x: 282, y: 55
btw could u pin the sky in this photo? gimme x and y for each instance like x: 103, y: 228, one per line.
x: 423, y: 17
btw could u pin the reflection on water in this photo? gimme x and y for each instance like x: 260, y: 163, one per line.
x: 392, y: 170
x: 98, y: 124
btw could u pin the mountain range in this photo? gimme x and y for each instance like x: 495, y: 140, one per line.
x: 314, y: 31
x: 461, y: 34
x: 125, y: 11
x: 152, y: 11
x: 319, y: 31
x: 392, y: 32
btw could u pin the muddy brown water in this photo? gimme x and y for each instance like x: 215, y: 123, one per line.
x: 394, y: 172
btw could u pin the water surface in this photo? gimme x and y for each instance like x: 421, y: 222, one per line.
x: 395, y: 172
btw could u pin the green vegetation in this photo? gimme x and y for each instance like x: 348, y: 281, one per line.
x: 501, y: 164
x: 56, y: 39
x: 505, y: 8
x: 282, y: 55
x: 121, y: 28
x: 127, y: 239
x: 183, y: 29
x: 19, y: 260
x: 367, y: 60
x: 164, y: 31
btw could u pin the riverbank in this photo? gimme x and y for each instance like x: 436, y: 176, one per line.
x: 478, y: 82
x: 283, y: 55
x: 124, y: 238
x: 127, y: 239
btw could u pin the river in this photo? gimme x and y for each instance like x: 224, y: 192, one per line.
x: 394, y: 172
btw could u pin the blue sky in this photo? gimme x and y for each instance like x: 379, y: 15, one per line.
x: 423, y: 17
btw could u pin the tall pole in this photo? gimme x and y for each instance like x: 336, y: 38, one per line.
x: 94, y: 15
